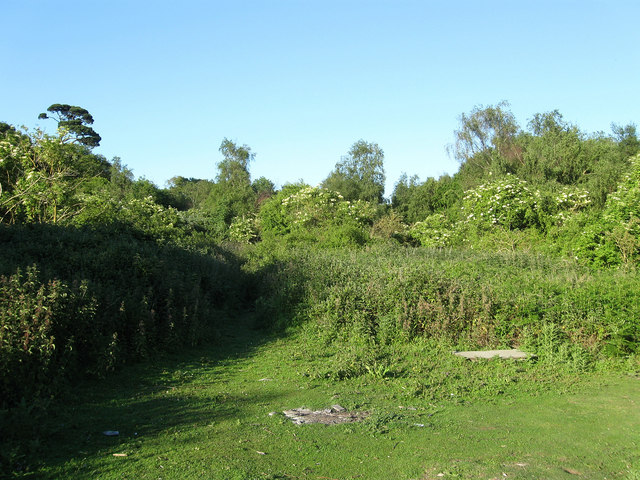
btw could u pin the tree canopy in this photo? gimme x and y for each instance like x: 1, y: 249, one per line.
x: 360, y: 174
x: 75, y: 120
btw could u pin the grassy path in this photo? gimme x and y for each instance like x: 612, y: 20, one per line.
x: 205, y: 415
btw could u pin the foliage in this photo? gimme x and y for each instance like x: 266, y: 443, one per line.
x: 390, y: 225
x: 627, y: 139
x: 435, y: 231
x: 507, y: 202
x: 304, y: 213
x: 613, y: 237
x: 80, y: 301
x: 486, y: 137
x: 243, y: 229
x: 416, y: 201
x: 552, y: 150
x: 472, y: 299
x: 75, y: 121
x: 186, y: 193
x: 45, y: 176
x: 36, y: 318
x: 234, y: 167
x: 360, y: 174
x: 232, y: 195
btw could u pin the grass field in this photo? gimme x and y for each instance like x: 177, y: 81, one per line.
x: 205, y: 415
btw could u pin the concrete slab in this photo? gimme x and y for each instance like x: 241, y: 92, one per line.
x: 513, y: 354
x: 328, y: 416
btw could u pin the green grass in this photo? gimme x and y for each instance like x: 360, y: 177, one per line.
x: 205, y: 415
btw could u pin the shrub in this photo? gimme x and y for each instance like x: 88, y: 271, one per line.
x: 508, y: 202
x: 80, y: 301
x: 36, y: 348
x: 436, y: 231
x: 471, y: 299
x: 610, y: 237
x: 316, y: 215
x: 243, y: 229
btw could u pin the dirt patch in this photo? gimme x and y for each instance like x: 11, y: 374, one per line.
x: 328, y: 416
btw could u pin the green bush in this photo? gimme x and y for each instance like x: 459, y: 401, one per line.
x: 612, y: 236
x: 436, y: 231
x: 508, y: 202
x: 304, y: 214
x: 385, y: 294
x: 81, y: 302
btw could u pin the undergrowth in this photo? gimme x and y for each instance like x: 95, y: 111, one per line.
x: 554, y: 308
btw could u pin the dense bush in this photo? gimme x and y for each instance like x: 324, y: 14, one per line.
x: 79, y: 301
x: 304, y: 214
x: 474, y: 299
x: 608, y: 237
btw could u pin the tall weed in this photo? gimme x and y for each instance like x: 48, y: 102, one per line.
x: 473, y: 299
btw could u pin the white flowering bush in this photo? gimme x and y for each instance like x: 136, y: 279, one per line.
x: 310, y: 207
x: 557, y: 208
x: 507, y: 202
x: 301, y: 210
x: 436, y: 231
x: 243, y: 229
x: 572, y: 199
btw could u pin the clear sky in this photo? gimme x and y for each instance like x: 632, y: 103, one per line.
x: 299, y: 81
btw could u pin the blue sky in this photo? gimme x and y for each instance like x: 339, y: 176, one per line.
x: 299, y: 81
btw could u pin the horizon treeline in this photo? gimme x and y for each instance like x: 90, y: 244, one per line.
x: 548, y: 185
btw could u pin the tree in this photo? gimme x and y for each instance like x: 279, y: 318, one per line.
x: 232, y: 194
x: 46, y: 183
x: 627, y: 139
x: 360, y: 174
x: 13, y: 144
x: 416, y: 201
x: 264, y: 189
x: 234, y: 168
x: 486, y: 138
x: 187, y: 193
x: 76, y: 121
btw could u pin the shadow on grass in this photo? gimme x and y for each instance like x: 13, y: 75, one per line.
x: 167, y: 396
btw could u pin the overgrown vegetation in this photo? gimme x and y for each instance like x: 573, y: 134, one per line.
x: 534, y: 242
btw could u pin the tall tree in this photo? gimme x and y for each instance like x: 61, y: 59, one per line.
x: 486, y: 137
x: 360, y: 174
x: 76, y: 121
x: 627, y: 139
x: 234, y: 167
x: 232, y: 194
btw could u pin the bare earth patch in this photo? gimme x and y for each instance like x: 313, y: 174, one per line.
x: 328, y: 416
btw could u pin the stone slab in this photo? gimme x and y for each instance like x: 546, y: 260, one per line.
x: 513, y: 354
